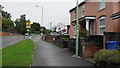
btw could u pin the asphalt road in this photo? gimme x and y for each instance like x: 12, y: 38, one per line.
x: 9, y: 40
x: 48, y: 54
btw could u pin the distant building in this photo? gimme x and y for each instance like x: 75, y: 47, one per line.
x: 62, y: 29
x: 95, y: 17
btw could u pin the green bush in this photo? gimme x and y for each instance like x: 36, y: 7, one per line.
x: 37, y: 32
x: 105, y: 57
x: 101, y: 56
x: 115, y: 58
x: 83, y: 33
x: 47, y: 31
x: 118, y: 48
x: 63, y: 37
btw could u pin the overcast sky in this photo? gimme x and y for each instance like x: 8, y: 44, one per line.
x: 55, y: 11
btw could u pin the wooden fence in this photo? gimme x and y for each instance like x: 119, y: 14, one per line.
x: 112, y: 36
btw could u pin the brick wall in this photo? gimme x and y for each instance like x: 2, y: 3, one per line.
x: 89, y: 50
x: 50, y: 38
x: 7, y: 34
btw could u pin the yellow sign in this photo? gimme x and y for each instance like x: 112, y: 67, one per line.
x: 28, y: 24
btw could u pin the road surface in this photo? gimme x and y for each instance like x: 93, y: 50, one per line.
x: 9, y: 40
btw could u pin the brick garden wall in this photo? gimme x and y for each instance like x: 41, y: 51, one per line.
x: 7, y: 34
x: 88, y: 47
x: 50, y: 38
x: 89, y: 50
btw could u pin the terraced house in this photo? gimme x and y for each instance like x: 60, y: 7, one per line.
x: 95, y: 17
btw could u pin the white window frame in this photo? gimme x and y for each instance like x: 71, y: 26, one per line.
x: 102, y: 26
x: 101, y: 4
x: 75, y: 31
x: 83, y: 10
x: 75, y: 14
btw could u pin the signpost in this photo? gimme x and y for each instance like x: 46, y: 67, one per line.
x: 28, y: 26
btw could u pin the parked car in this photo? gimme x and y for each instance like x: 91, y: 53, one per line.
x: 54, y: 33
x: 27, y: 36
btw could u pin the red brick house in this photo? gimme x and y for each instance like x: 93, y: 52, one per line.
x: 95, y: 17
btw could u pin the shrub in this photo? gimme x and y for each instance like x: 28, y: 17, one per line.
x: 118, y: 48
x: 37, y: 32
x: 47, y: 31
x: 115, y: 58
x: 83, y: 33
x: 101, y: 56
x: 106, y: 57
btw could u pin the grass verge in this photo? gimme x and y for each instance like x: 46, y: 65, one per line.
x: 19, y: 54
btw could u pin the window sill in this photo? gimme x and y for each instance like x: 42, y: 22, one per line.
x: 103, y: 26
x: 83, y: 15
x: 101, y: 9
x: 101, y: 34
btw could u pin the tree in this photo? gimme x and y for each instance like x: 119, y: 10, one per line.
x: 7, y: 25
x: 21, y: 24
x: 35, y: 27
x: 47, y: 31
x: 43, y: 28
x: 6, y: 15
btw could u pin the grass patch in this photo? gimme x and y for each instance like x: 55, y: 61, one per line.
x: 19, y: 54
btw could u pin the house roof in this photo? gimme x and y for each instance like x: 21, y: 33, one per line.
x: 85, y: 18
x: 78, y: 5
x: 115, y: 16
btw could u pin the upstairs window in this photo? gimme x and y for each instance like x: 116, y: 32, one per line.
x: 83, y: 10
x: 101, y: 4
x: 75, y: 15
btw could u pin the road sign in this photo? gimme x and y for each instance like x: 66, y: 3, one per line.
x: 28, y: 25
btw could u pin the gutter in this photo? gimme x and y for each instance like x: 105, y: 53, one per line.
x: 78, y: 6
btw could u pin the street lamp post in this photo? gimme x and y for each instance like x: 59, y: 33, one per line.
x: 42, y: 16
x: 77, y: 32
x: 77, y: 28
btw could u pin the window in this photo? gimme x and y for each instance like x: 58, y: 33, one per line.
x: 102, y: 25
x: 75, y: 15
x: 102, y: 30
x: 83, y: 10
x: 101, y: 4
x: 75, y: 31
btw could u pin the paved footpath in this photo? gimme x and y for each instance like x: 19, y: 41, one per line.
x: 48, y: 54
